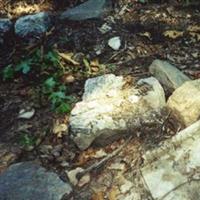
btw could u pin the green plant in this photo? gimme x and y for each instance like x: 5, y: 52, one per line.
x: 26, y: 140
x: 8, y: 72
x: 60, y: 102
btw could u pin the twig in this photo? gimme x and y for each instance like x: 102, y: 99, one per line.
x: 103, y: 161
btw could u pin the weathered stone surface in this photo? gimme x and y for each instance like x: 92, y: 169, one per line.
x: 5, y: 27
x: 33, y: 26
x: 88, y: 10
x: 29, y: 181
x: 172, y: 171
x: 169, y: 76
x: 110, y: 109
x: 185, y: 102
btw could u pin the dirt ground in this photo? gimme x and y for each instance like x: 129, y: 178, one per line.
x: 148, y: 31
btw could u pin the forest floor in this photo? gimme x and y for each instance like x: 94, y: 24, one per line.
x: 147, y: 32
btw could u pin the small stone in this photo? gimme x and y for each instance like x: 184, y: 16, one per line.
x: 28, y: 180
x: 33, y: 27
x: 23, y: 114
x: 168, y: 75
x: 184, y: 103
x: 114, y: 43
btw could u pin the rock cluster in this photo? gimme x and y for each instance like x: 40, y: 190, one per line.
x: 110, y: 110
x: 33, y: 27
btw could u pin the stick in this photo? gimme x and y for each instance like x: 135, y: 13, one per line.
x: 103, y: 161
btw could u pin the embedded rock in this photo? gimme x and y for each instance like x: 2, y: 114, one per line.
x: 30, y: 181
x: 88, y: 10
x: 185, y: 102
x: 169, y: 76
x: 172, y: 170
x: 110, y: 109
x: 5, y: 27
x: 33, y: 27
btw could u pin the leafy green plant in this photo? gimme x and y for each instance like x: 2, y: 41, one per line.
x: 27, y: 141
x: 56, y: 92
x: 48, y: 70
x: 8, y: 72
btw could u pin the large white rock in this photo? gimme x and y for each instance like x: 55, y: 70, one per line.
x: 185, y: 102
x: 171, y: 172
x: 110, y: 109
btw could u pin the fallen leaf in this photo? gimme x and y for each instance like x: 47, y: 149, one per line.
x: 100, y: 153
x: 194, y: 28
x: 60, y: 129
x: 68, y: 78
x: 84, y: 180
x: 195, y: 35
x: 94, y: 63
x: 146, y: 34
x: 72, y: 175
x: 68, y: 57
x: 98, y: 196
x: 126, y: 186
x: 90, y: 154
x: 113, y: 193
x: 117, y: 166
x: 173, y: 34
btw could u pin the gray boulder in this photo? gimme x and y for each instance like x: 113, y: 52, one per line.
x: 168, y: 75
x: 33, y: 26
x: 110, y: 110
x: 29, y: 181
x: 88, y: 10
x: 5, y: 27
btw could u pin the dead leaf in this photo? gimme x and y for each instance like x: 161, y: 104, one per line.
x: 100, y: 154
x: 98, y: 196
x: 84, y: 180
x: 117, y: 166
x: 90, y: 154
x: 113, y: 193
x: 72, y: 175
x: 194, y: 28
x: 173, y: 34
x: 60, y: 129
x: 68, y: 57
x: 68, y: 78
x: 195, y: 35
x: 146, y: 34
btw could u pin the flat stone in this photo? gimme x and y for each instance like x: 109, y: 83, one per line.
x: 5, y: 27
x: 29, y: 181
x: 169, y: 76
x: 172, y: 171
x: 109, y: 110
x: 185, y: 102
x: 88, y: 10
x: 33, y: 27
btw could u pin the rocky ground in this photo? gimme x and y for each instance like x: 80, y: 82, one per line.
x: 122, y: 38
